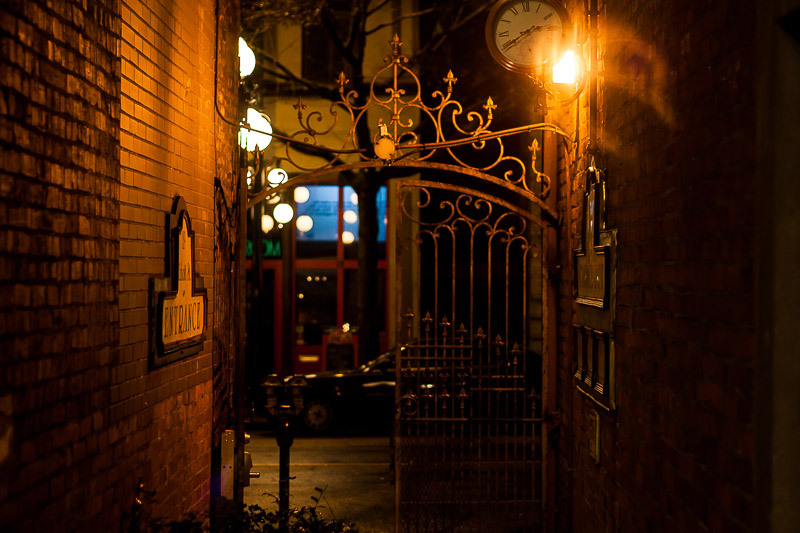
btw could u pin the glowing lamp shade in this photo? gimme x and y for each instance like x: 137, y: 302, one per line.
x: 348, y: 237
x: 304, y: 223
x: 566, y: 70
x: 283, y: 213
x: 267, y: 223
x: 353, y: 198
x: 247, y: 59
x: 276, y: 176
x: 250, y: 139
x: 350, y: 216
x: 301, y: 195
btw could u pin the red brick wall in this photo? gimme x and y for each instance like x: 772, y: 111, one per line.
x: 227, y: 245
x: 59, y: 262
x: 106, y: 113
x: 163, y: 416
x: 676, y: 124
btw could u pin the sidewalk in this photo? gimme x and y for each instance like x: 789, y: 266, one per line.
x: 355, y: 470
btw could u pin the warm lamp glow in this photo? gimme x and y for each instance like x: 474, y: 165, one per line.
x: 301, y: 195
x: 353, y: 198
x: 247, y: 59
x: 350, y: 216
x: 283, y: 213
x: 304, y: 223
x: 267, y: 223
x: 385, y: 148
x: 566, y: 70
x: 276, y: 176
x: 348, y: 237
x: 250, y: 139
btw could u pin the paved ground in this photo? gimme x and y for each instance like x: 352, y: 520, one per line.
x: 355, y: 470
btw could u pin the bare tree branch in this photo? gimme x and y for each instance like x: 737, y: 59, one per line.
x: 282, y: 72
x: 398, y: 19
x: 377, y: 7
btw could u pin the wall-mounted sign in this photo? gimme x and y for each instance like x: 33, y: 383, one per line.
x: 592, y: 259
x: 178, y: 302
x: 595, y: 294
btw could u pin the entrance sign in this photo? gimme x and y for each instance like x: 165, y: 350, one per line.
x: 178, y: 306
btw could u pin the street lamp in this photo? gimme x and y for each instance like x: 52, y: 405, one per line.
x: 258, y: 134
x: 247, y: 59
x: 283, y: 213
x: 566, y: 70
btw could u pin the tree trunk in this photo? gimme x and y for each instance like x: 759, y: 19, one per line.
x: 366, y: 185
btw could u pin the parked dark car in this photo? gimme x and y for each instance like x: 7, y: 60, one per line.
x: 362, y: 397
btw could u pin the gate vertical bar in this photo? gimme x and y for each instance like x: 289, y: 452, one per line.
x: 549, y: 335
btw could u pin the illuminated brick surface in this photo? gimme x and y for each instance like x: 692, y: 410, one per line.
x: 106, y: 113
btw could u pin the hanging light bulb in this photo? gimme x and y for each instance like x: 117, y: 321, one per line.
x: 276, y: 176
x: 250, y: 139
x: 301, y: 195
x: 247, y: 59
x: 267, y: 223
x: 348, y: 237
x: 353, y: 198
x: 566, y: 70
x: 283, y: 213
x: 304, y: 223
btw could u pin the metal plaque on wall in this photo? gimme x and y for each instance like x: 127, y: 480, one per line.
x: 178, y: 302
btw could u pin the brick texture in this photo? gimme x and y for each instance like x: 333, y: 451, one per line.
x: 107, y: 112
x: 59, y: 261
x: 675, y: 128
x: 167, y: 148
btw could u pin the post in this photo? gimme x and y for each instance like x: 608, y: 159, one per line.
x: 285, y: 439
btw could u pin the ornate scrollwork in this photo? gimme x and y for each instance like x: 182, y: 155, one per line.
x: 394, y: 101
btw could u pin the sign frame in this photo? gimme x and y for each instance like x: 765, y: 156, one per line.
x: 179, y: 271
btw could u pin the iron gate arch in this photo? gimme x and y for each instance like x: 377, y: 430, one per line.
x: 472, y: 378
x: 469, y: 446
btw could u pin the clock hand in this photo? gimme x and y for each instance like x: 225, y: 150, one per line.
x: 515, y: 40
x: 523, y: 33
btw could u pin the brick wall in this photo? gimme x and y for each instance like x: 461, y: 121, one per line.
x: 675, y: 126
x: 59, y: 261
x: 227, y: 335
x: 167, y: 148
x: 107, y: 112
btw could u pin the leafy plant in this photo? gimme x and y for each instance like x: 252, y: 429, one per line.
x: 228, y: 516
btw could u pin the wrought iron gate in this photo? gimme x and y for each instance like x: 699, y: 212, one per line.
x: 469, y: 447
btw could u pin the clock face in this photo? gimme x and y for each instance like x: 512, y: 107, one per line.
x: 525, y: 36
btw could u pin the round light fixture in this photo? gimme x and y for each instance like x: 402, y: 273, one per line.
x: 301, y: 195
x: 350, y: 216
x: 385, y: 148
x: 276, y: 176
x: 304, y: 223
x: 267, y: 223
x: 283, y: 213
x: 353, y: 198
x: 348, y: 237
x: 251, y: 139
x: 247, y: 59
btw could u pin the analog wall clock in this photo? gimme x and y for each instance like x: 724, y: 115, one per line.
x: 526, y: 36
